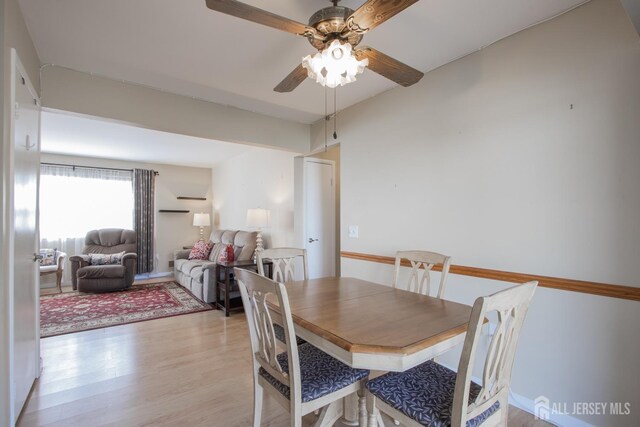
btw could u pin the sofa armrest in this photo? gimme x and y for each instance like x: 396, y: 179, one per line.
x: 77, y: 262
x: 181, y: 254
x: 80, y: 259
x: 130, y: 262
x: 209, y: 284
x: 209, y: 267
x: 129, y: 255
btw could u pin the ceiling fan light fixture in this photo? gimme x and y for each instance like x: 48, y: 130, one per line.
x: 334, y: 66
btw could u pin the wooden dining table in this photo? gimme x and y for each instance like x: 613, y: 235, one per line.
x: 372, y: 326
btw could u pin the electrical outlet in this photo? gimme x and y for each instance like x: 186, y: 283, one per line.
x: 353, y: 231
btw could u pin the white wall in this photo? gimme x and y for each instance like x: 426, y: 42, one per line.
x: 173, y: 230
x: 521, y: 157
x: 78, y: 92
x: 5, y: 364
x: 258, y: 178
x: 13, y: 34
x: 17, y: 36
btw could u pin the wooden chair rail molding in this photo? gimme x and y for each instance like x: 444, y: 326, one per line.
x: 594, y: 288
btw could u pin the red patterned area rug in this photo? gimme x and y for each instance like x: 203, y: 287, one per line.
x: 74, y: 311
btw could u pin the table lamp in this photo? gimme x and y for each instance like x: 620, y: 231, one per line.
x: 258, y: 218
x: 201, y: 220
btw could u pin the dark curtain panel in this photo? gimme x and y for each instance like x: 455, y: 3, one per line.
x: 144, y: 188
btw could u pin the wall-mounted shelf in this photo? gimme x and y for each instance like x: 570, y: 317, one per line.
x: 191, y: 198
x: 172, y: 211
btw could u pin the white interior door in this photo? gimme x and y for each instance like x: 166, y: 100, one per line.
x: 320, y: 217
x: 26, y: 166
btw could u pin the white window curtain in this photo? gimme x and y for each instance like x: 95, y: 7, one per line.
x: 75, y: 200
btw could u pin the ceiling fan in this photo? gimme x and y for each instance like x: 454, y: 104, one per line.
x: 335, y: 31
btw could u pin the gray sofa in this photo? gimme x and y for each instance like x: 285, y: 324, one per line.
x: 199, y: 276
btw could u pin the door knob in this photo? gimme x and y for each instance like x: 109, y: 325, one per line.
x: 37, y: 257
x: 312, y: 240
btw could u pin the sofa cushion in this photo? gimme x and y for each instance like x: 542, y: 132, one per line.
x: 177, y: 264
x: 244, y: 245
x: 109, y: 241
x: 101, y: 272
x: 196, y: 275
x: 188, y: 265
x: 228, y: 237
x: 215, y: 252
x: 216, y: 236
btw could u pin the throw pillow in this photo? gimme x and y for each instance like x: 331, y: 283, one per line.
x: 106, y: 259
x: 48, y: 256
x: 200, y: 250
x: 227, y: 254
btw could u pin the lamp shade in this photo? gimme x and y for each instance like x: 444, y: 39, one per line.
x: 201, y: 220
x: 258, y: 218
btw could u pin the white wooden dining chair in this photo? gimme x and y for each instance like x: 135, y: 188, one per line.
x: 303, y: 378
x: 425, y: 261
x: 283, y: 260
x: 433, y: 395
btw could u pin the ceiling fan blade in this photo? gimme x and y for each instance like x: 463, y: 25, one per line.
x: 374, y: 12
x: 259, y: 16
x: 388, y: 67
x: 292, y: 81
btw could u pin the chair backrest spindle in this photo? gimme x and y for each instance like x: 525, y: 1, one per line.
x: 425, y: 261
x: 255, y: 290
x: 511, y: 306
x: 283, y: 262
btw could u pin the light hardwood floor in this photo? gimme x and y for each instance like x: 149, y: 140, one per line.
x: 190, y: 370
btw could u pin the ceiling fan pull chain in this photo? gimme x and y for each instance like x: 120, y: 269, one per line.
x: 335, y: 113
x: 326, y: 119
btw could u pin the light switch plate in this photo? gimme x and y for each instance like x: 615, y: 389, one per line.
x: 353, y: 231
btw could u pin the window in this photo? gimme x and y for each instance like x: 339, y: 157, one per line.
x: 75, y: 200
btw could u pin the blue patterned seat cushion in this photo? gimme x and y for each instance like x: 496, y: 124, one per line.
x: 320, y: 374
x: 280, y: 336
x: 425, y: 394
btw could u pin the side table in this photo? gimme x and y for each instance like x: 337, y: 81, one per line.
x: 228, y: 296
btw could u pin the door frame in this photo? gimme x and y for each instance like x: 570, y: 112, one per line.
x: 300, y: 200
x: 7, y: 392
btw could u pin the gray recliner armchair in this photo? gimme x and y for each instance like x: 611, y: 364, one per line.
x: 107, y: 277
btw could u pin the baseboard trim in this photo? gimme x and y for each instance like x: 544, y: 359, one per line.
x: 528, y: 405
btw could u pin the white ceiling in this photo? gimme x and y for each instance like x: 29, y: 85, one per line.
x: 90, y: 137
x: 185, y: 48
